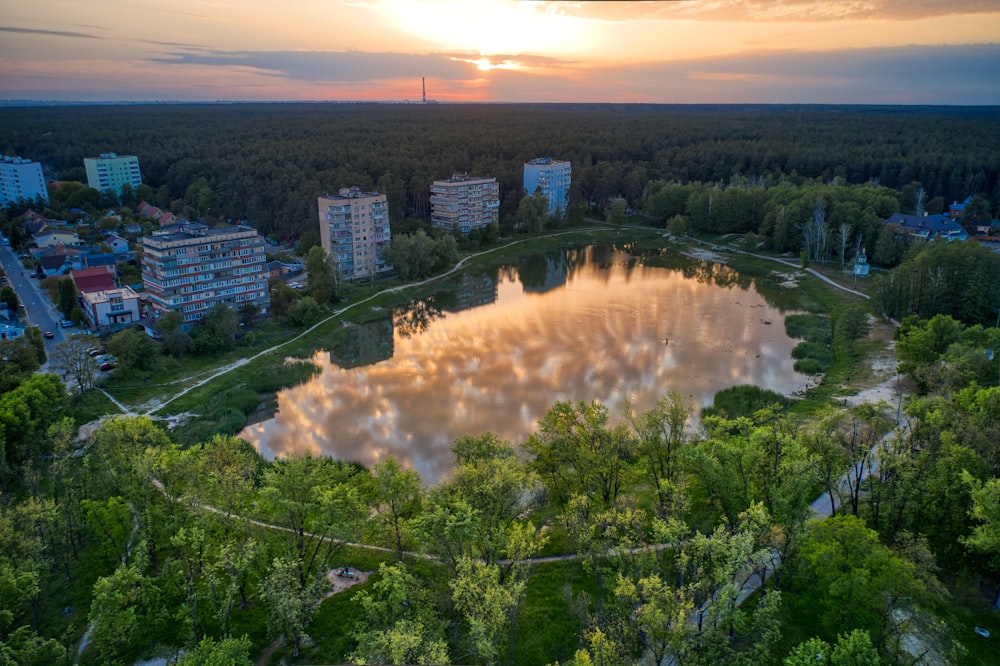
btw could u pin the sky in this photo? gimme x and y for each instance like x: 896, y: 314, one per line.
x: 667, y: 51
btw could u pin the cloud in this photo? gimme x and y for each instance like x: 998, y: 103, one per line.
x: 963, y: 74
x: 519, y: 60
x: 330, y: 66
x: 48, y: 33
x: 776, y: 10
x: 173, y: 45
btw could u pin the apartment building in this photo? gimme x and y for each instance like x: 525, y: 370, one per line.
x: 114, y: 307
x: 463, y: 202
x: 354, y: 229
x: 20, y: 178
x: 111, y: 171
x: 190, y: 268
x: 552, y: 177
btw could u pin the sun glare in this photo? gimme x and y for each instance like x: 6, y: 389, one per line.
x: 487, y: 27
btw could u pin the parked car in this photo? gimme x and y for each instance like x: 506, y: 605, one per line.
x: 66, y: 323
x: 107, y: 365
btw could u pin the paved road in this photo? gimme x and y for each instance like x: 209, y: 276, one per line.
x: 40, y: 311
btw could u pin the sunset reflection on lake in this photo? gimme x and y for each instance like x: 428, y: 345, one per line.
x: 597, y: 330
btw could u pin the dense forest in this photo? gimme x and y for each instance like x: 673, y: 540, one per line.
x: 267, y: 163
x: 651, y: 529
x: 607, y: 536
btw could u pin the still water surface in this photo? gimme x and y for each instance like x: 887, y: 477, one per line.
x: 495, y: 353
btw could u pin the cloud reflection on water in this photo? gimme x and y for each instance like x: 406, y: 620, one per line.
x: 590, y: 333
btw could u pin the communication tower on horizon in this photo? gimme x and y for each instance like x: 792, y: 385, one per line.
x: 423, y: 85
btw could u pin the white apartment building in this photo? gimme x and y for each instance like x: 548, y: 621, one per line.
x: 354, y: 229
x: 463, y: 202
x: 190, y: 268
x: 114, y: 307
x: 111, y: 171
x: 21, y: 178
x: 552, y: 177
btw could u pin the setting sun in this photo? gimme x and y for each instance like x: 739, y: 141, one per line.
x: 488, y: 26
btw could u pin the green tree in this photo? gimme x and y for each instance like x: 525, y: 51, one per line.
x: 498, y: 488
x: 305, y: 312
x: 576, y: 451
x: 616, y: 211
x: 25, y: 414
x: 852, y: 580
x: 662, y: 432
x: 486, y: 604
x: 134, y: 350
x: 9, y: 296
x: 398, y: 622
x: 852, y: 649
x: 20, y: 360
x: 26, y: 648
x: 532, y: 213
x: 853, y: 325
x: 398, y: 496
x: 126, y: 608
x: 757, y: 459
x: 224, y: 652
x: 324, y: 276
x: 678, y: 226
x: 67, y: 297
x: 319, y: 501
x: 290, y: 606
x: 985, y: 535
x: 662, y: 614
x: 174, y: 339
x: 111, y: 521
x: 127, y: 458
x: 216, y: 332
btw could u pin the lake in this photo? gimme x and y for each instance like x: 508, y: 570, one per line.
x: 495, y: 349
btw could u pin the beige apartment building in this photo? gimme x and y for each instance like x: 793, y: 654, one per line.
x: 463, y: 202
x: 354, y: 229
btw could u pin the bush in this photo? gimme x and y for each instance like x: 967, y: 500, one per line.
x: 810, y: 366
x: 812, y: 327
x: 738, y: 401
x: 813, y: 350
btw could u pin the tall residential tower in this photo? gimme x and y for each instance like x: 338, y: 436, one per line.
x: 21, y: 178
x: 111, y: 171
x: 354, y: 229
x: 190, y: 268
x: 463, y: 203
x: 552, y: 177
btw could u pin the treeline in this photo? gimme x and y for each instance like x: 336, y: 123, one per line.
x: 956, y: 279
x: 267, y: 163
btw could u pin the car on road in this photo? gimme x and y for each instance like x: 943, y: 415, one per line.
x: 66, y: 323
x: 49, y: 335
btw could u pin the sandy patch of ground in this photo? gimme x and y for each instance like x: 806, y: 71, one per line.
x: 788, y: 280
x: 87, y: 430
x: 175, y: 420
x: 341, y: 580
x: 881, y: 382
x: 706, y: 255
